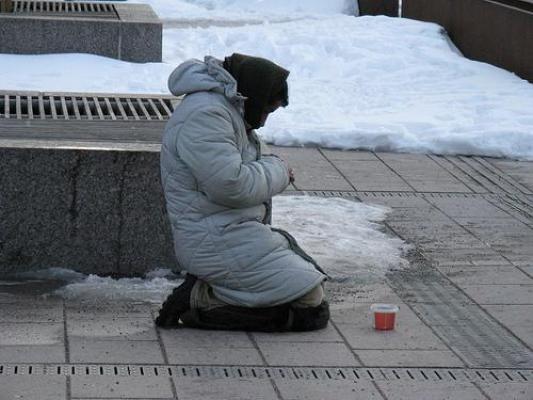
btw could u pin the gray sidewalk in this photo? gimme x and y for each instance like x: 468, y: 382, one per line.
x: 465, y: 328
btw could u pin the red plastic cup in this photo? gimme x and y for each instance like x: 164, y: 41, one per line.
x: 384, y: 316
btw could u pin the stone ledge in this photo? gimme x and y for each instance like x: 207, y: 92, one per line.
x: 131, y: 32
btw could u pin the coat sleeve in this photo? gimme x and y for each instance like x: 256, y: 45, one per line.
x: 207, y: 144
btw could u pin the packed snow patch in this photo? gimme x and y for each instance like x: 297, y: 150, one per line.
x: 344, y: 237
x: 235, y: 10
x: 377, y: 83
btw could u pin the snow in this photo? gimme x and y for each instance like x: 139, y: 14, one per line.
x: 248, y: 10
x: 352, y: 250
x: 373, y: 83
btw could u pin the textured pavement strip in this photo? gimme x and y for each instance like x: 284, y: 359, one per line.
x: 490, y: 341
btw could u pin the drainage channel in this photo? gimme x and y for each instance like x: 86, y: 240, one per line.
x: 91, y: 107
x: 64, y: 9
x: 261, y: 372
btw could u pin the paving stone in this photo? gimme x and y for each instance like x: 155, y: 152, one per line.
x: 329, y: 334
x: 119, y: 387
x: 500, y: 294
x: 521, y: 171
x: 225, y: 389
x: 528, y: 270
x: 401, y: 200
x: 202, y: 338
x: 360, y: 314
x: 430, y: 390
x: 193, y: 346
x: 509, y: 391
x: 85, y: 350
x: 343, y: 155
x: 33, y: 387
x: 25, y: 312
x: 517, y: 318
x: 507, y: 275
x: 367, y: 294
x: 307, y: 354
x: 371, y: 175
x: 407, y: 335
x: 409, y: 358
x: 32, y: 353
x: 29, y: 333
x: 91, y: 311
x: 423, y: 174
x: 467, y: 207
x: 320, y: 390
x: 113, y: 328
x: 312, y: 170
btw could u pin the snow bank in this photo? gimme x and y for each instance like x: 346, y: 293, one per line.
x: 373, y: 83
x: 81, y: 73
x: 378, y: 83
x: 235, y: 10
x: 344, y: 237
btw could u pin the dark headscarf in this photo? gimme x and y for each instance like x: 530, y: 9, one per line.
x: 261, y: 81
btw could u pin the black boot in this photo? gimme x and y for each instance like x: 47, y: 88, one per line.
x: 176, y: 304
x: 310, y: 318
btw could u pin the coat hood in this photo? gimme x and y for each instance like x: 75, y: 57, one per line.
x: 208, y: 76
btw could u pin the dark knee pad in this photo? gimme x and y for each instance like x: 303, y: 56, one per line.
x: 269, y: 319
x: 310, y: 318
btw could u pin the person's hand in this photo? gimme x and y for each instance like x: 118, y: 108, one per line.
x: 291, y: 175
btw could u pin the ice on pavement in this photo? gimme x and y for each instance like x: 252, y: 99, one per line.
x: 343, y: 236
x: 374, y: 83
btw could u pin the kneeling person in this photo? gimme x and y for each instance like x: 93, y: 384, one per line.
x: 242, y: 274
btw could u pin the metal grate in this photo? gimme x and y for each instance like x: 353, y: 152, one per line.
x: 64, y: 9
x: 84, y: 107
x: 283, y: 373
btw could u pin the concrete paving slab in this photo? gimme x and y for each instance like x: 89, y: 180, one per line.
x: 86, y: 350
x: 430, y: 390
x: 371, y: 175
x: 329, y: 334
x: 409, y: 358
x: 193, y: 346
x: 405, y: 336
x: 368, y: 294
x: 508, y: 391
x: 343, y: 155
x: 91, y: 311
x: 32, y: 353
x: 185, y: 337
x: 307, y: 354
x: 423, y: 174
x: 120, y: 387
x: 467, y: 207
x: 396, y: 200
x: 522, y: 171
x: 30, y: 333
x: 222, y: 389
x: 17, y: 312
x: 340, y: 390
x: 213, y: 355
x: 113, y: 328
x: 33, y: 388
x: 500, y: 294
x: 512, y: 315
x: 507, y: 275
x: 312, y: 170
